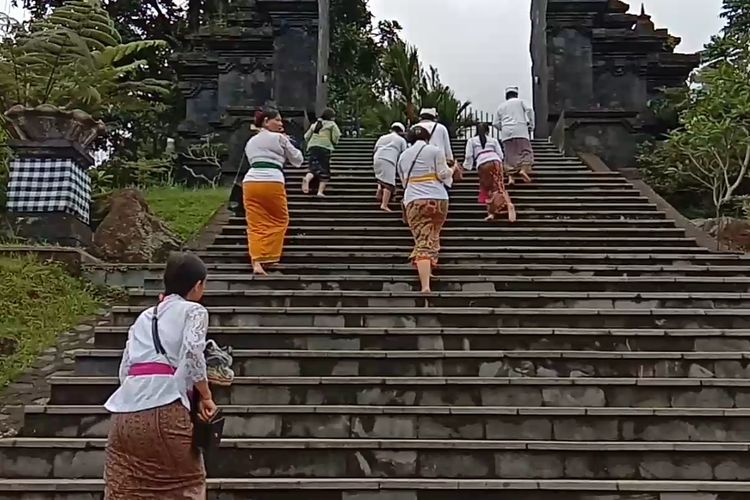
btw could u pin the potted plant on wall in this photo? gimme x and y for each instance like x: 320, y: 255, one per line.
x: 58, y: 76
x: 60, y: 72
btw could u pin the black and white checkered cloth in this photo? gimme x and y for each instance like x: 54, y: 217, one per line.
x: 49, y: 185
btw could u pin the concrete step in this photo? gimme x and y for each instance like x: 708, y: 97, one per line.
x: 466, y: 198
x: 432, y: 422
x: 504, y: 230
x: 445, y: 391
x: 497, y: 299
x: 465, y: 363
x: 449, y: 277
x: 404, y: 489
x: 527, y: 223
x: 460, y: 317
x: 534, y: 255
x: 653, y: 281
x: 72, y: 458
x: 464, y: 339
x: 502, y: 239
x: 341, y: 216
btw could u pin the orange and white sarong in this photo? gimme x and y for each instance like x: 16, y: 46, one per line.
x: 267, y: 220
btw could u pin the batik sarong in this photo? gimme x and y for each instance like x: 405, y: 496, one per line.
x: 492, y: 191
x: 267, y: 220
x: 426, y: 219
x: 150, y: 455
x: 519, y: 156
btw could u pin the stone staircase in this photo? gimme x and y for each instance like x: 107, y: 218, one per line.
x: 588, y: 352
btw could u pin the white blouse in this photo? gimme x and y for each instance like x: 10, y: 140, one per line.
x: 430, y: 165
x: 182, y: 330
x: 440, y: 137
x: 274, y: 148
x: 477, y: 155
x: 389, y: 148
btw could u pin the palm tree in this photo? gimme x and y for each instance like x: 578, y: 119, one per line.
x: 403, y: 72
x: 452, y: 112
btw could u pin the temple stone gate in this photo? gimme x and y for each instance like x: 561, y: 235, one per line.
x: 595, y: 69
x: 245, y: 55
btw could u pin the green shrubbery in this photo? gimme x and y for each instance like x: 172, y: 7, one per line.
x: 26, y: 329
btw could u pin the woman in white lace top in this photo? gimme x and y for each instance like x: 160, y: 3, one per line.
x: 149, y: 451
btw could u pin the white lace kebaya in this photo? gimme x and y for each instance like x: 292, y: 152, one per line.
x: 182, y: 328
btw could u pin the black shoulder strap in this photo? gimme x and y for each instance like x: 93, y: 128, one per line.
x: 155, y: 333
x: 413, y: 164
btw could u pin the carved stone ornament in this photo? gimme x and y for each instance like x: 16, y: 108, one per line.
x: 46, y: 122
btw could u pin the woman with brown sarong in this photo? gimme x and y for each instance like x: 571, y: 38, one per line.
x: 150, y: 452
x: 425, y: 173
x: 264, y: 190
x: 486, y: 155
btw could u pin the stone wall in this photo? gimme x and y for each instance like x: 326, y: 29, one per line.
x: 602, y: 66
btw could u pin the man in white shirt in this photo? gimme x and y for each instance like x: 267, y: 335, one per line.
x: 439, y: 135
x: 515, y: 121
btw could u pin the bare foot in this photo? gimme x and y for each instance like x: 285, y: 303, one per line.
x: 258, y: 270
x: 489, y: 218
x: 321, y: 195
x: 512, y: 217
x: 426, y: 290
x: 386, y: 209
x: 511, y: 181
x: 306, y: 185
x: 526, y: 177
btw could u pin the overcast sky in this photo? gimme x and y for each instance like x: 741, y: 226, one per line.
x: 482, y: 46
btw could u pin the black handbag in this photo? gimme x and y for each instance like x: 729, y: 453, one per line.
x: 206, y: 435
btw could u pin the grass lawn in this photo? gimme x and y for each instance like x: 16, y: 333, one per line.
x: 185, y: 210
x: 38, y: 302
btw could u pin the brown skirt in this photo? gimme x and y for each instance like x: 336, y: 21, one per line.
x: 519, y: 155
x: 150, y: 455
x: 426, y: 219
x: 492, y: 191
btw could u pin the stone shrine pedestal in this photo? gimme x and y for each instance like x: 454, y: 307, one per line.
x: 49, y: 192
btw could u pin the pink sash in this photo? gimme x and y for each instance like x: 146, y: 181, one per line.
x: 146, y: 369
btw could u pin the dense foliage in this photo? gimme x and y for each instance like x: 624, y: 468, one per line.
x: 702, y: 164
x: 75, y: 59
x: 379, y: 79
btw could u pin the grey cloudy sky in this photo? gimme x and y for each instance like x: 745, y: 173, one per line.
x: 482, y: 46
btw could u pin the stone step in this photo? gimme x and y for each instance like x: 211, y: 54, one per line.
x: 463, y: 339
x: 470, y: 197
x: 432, y: 422
x: 526, y: 223
x: 536, y: 281
x: 332, y: 203
x: 471, y: 188
x: 342, y: 216
x: 467, y: 243
x: 460, y: 317
x: 449, y: 277
x: 445, y: 391
x: 501, y: 239
x: 474, y: 211
x: 503, y: 230
x: 464, y: 363
x: 72, y: 458
x: 533, y: 279
x: 464, y: 299
x: 404, y: 489
x: 541, y: 178
x: 537, y: 255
